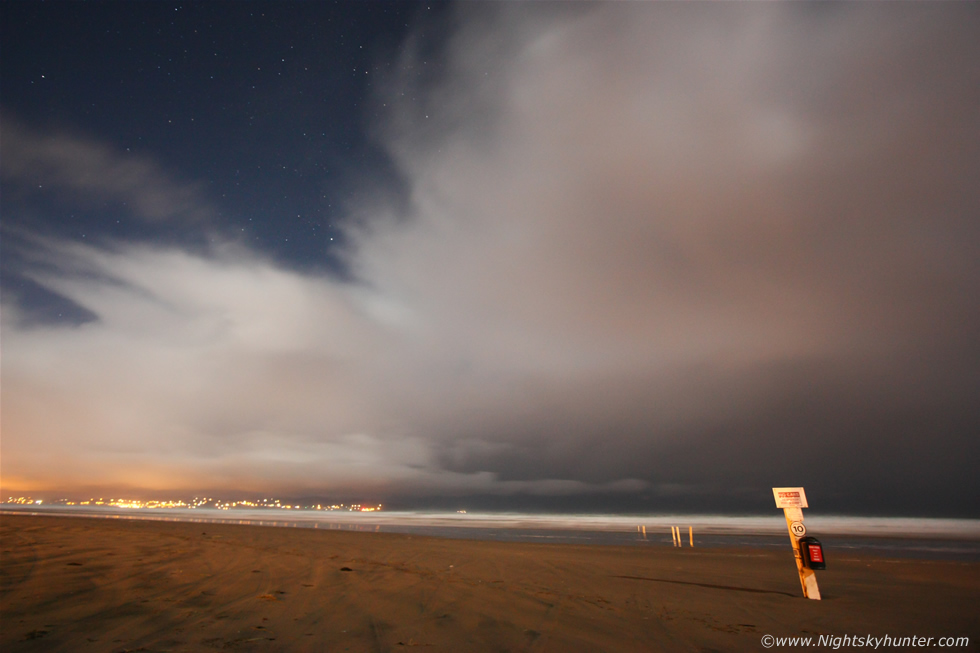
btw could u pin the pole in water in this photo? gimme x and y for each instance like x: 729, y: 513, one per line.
x: 690, y: 533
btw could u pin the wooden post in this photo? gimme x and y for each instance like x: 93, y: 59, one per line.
x: 808, y: 577
x: 793, y: 501
x: 690, y: 533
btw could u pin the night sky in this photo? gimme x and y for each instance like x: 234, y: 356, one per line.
x: 565, y: 256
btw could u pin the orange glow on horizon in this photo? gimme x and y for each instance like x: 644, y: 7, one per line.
x: 196, y: 502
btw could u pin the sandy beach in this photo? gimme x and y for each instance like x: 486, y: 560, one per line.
x: 80, y: 584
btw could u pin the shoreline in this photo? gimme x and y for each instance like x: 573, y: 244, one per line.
x: 940, y: 539
x: 945, y: 528
x: 84, y: 584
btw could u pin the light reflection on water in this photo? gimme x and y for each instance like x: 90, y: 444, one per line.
x: 953, y: 539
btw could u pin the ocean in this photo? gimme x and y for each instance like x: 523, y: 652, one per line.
x: 933, y: 539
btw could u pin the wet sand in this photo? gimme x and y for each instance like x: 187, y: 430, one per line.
x: 80, y: 584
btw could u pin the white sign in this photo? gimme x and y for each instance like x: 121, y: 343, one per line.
x: 789, y: 497
x: 798, y: 529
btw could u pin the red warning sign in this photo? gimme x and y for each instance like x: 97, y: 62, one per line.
x: 816, y: 552
x: 789, y: 497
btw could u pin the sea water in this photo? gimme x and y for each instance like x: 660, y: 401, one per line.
x: 945, y: 539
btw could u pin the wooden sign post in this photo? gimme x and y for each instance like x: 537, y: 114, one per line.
x: 793, y: 500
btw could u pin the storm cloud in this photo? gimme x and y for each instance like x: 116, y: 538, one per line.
x: 665, y: 253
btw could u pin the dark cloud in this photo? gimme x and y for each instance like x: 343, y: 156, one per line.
x: 653, y: 255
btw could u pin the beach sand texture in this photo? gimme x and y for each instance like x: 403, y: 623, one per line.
x: 81, y: 584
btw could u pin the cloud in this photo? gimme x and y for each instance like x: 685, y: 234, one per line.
x: 646, y: 246
x: 218, y: 365
x: 96, y: 172
x: 226, y: 371
x: 642, y: 213
x: 651, y: 174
